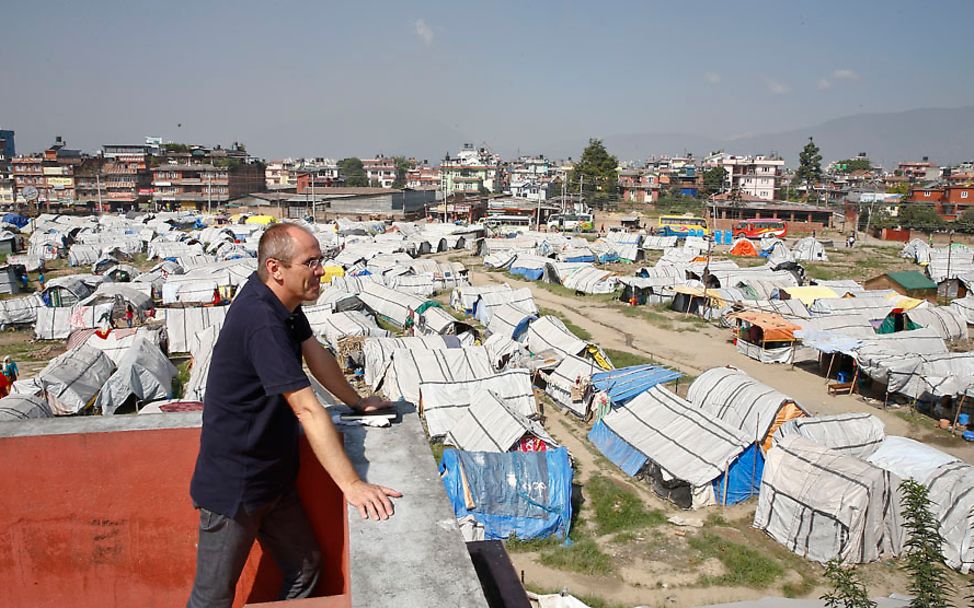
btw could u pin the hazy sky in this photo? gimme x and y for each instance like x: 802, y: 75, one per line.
x: 360, y: 78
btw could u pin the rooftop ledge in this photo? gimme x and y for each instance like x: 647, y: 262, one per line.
x: 95, y: 511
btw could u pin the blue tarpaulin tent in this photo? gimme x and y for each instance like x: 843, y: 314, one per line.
x: 16, y: 219
x: 625, y: 383
x: 513, y: 494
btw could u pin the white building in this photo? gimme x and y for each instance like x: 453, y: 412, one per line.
x: 758, y: 176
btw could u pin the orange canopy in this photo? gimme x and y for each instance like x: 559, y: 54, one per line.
x: 744, y: 247
x: 775, y: 328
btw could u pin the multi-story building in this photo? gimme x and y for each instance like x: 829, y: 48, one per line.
x: 950, y: 202
x: 7, y: 152
x: 118, y: 183
x: 757, y: 176
x: 423, y: 177
x: 471, y: 170
x: 380, y: 171
x: 280, y: 174
x: 51, y: 173
x: 322, y: 172
x: 922, y: 171
x: 638, y: 186
x: 203, y: 186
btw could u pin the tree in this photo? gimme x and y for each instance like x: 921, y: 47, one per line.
x: 353, y: 171
x: 402, y: 166
x: 596, y: 171
x: 924, y: 559
x: 809, y: 170
x: 853, y: 164
x: 918, y: 216
x: 848, y: 590
x: 714, y: 179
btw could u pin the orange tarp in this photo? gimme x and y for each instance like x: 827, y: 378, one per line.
x: 744, y: 247
x: 775, y: 328
x: 788, y: 411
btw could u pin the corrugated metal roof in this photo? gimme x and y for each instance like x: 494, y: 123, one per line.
x: 911, y: 279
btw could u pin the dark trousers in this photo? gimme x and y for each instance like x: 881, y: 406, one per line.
x: 225, y: 542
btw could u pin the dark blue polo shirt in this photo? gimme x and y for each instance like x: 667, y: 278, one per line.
x: 249, y: 442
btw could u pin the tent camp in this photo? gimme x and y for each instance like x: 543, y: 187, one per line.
x: 15, y: 407
x: 462, y: 299
x: 550, y: 334
x: 750, y: 406
x: 201, y: 352
x: 947, y: 322
x: 621, y: 385
x: 503, y: 351
x: 336, y: 326
x: 441, y: 403
x: 854, y: 434
x: 143, y: 374
x: 514, y: 494
x: 823, y: 504
x: 568, y: 384
x: 489, y: 424
x: 590, y: 280
x: 71, y: 381
x: 948, y: 481
x: 646, y: 291
x: 487, y: 303
x: 378, y: 352
x: 965, y: 306
x: 689, y: 457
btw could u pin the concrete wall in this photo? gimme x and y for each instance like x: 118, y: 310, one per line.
x: 96, y: 512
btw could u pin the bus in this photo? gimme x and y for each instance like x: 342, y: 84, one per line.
x: 759, y: 227
x: 517, y: 222
x: 681, y: 225
x: 579, y: 222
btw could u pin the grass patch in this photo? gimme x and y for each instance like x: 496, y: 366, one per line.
x: 390, y: 327
x: 531, y: 545
x: 745, y: 567
x: 618, y: 509
x: 437, y: 449
x: 647, y: 314
x: 582, y: 556
x: 580, y: 332
x: 624, y: 358
x: 799, y: 589
x: 715, y: 519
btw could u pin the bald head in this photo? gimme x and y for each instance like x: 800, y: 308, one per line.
x: 279, y: 242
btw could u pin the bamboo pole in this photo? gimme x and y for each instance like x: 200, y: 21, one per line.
x: 960, y: 406
x: 828, y: 374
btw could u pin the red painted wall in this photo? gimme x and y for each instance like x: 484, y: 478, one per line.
x: 105, y: 519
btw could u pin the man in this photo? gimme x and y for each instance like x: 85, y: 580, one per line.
x: 256, y: 396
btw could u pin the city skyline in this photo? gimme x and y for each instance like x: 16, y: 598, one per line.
x: 305, y: 80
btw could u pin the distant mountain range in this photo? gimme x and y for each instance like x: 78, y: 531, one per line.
x: 946, y: 136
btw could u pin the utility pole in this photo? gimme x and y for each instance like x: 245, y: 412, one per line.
x: 98, y: 185
x: 314, y: 200
x: 209, y: 191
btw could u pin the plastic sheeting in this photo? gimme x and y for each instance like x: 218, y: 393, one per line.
x: 489, y: 302
x: 72, y: 380
x: 857, y: 434
x: 627, y: 382
x: 410, y: 368
x: 510, y: 321
x: 822, y: 504
x: 550, y: 333
x: 340, y: 325
x: 378, y: 352
x: 512, y: 495
x: 16, y: 407
x: 143, y: 372
x: 489, y: 424
x: 742, y: 402
x: 443, y: 402
x: 183, y: 323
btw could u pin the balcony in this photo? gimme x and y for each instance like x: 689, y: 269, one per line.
x: 96, y: 512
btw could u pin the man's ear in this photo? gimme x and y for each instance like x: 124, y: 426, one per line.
x: 274, y: 268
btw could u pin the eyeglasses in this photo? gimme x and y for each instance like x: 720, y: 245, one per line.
x: 314, y: 263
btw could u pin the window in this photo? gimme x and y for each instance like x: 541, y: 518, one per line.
x: 964, y: 193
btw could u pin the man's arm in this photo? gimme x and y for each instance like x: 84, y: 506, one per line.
x: 372, y: 501
x: 326, y: 370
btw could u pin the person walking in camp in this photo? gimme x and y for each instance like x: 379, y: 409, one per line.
x: 257, y: 399
x: 10, y: 369
x: 129, y: 315
x: 40, y: 279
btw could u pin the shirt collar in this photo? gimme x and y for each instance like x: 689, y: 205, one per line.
x: 264, y: 293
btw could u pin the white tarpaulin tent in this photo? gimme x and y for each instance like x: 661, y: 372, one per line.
x: 683, y: 442
x: 183, y: 323
x: 463, y: 298
x: 489, y: 302
x: 948, y: 481
x: 809, y: 249
x: 506, y: 319
x: 378, y: 352
x: 503, y: 351
x: 15, y: 407
x: 143, y: 372
x: 389, y: 303
x: 489, y: 424
x: 926, y: 376
x: 822, y: 504
x: 340, y: 325
x: 71, y: 381
x: 877, y: 354
x: 948, y: 322
x: 20, y: 311
x: 572, y: 373
x: 550, y: 333
x: 965, y: 306
x: 410, y: 368
x: 58, y: 323
x: 744, y: 403
x: 441, y: 403
x: 854, y: 434
x: 201, y: 350
x: 591, y: 280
